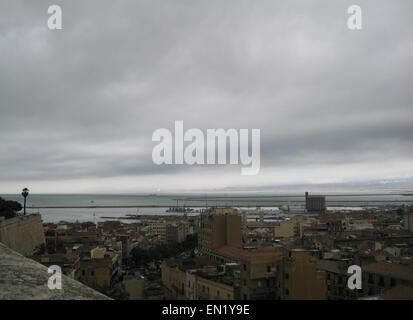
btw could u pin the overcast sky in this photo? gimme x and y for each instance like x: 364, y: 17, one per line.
x: 79, y: 105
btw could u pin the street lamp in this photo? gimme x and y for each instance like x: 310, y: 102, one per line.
x: 25, y: 193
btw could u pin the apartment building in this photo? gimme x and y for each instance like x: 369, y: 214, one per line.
x: 336, y: 279
x: 260, y: 274
x: 200, y: 279
x: 380, y: 277
x: 219, y: 227
x: 300, y: 279
x: 169, y: 231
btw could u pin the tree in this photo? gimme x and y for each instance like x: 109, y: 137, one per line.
x: 9, y: 208
x: 164, y: 251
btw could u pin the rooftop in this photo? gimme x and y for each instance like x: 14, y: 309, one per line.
x: 238, y: 254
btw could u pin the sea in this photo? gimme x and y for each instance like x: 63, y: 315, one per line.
x: 97, y: 207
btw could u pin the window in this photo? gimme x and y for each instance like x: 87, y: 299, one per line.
x: 287, y: 276
x: 381, y: 282
x: 92, y: 273
x: 244, y: 266
x: 268, y: 268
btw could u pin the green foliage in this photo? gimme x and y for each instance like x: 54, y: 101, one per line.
x: 164, y: 251
x: 9, y: 208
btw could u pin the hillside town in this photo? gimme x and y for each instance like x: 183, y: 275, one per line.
x: 228, y: 253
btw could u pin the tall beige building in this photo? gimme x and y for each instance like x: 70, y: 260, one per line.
x: 219, y: 227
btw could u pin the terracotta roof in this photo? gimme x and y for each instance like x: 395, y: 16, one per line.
x: 237, y: 253
x: 84, y: 233
x: 390, y: 269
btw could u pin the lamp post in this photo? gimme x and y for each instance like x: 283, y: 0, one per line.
x: 25, y: 193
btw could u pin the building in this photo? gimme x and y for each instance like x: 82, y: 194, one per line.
x: 101, y: 271
x: 216, y: 286
x: 315, y: 203
x: 69, y: 262
x: 379, y: 277
x: 287, y: 228
x: 200, y: 279
x: 408, y: 221
x: 23, y: 234
x: 133, y: 286
x: 174, y: 279
x: 126, y: 245
x: 219, y: 227
x: 169, y: 231
x: 281, y: 274
x: 301, y: 279
x: 177, y: 231
x: 158, y: 229
x: 260, y: 274
x: 336, y: 280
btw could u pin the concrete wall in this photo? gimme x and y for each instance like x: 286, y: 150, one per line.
x: 234, y: 231
x: 22, y: 234
x: 306, y: 282
x: 25, y: 279
x: 287, y: 228
x: 134, y: 287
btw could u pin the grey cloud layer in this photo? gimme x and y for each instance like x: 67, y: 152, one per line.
x: 83, y: 102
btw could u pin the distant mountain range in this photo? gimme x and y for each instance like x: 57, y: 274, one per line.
x: 387, y: 186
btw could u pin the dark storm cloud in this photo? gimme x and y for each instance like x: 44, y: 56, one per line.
x: 83, y: 102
